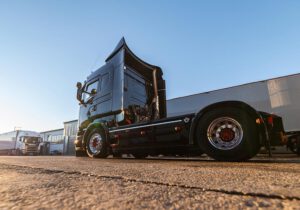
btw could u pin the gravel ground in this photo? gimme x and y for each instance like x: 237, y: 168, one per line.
x: 82, y: 183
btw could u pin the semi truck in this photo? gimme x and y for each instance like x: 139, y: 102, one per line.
x: 20, y: 142
x: 123, y: 110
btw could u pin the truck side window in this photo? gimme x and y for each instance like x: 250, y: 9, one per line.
x: 89, y: 88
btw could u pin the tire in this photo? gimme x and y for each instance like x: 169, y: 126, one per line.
x: 293, y: 144
x: 96, y: 144
x: 228, y: 134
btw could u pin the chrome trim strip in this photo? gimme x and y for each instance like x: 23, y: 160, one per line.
x: 144, y: 126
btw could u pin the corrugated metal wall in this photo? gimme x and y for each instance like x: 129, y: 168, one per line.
x: 70, y: 131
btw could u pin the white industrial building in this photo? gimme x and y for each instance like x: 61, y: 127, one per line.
x: 60, y: 141
x: 53, y: 142
x: 70, y: 131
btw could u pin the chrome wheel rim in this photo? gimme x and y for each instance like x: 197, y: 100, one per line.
x: 225, y: 133
x: 95, y: 144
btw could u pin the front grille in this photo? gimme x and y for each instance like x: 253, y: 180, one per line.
x: 31, y: 148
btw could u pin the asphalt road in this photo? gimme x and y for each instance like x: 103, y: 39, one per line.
x: 84, y: 183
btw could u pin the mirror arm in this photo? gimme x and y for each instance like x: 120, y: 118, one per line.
x: 90, y: 100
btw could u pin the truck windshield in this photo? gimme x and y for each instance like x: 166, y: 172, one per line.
x: 29, y: 139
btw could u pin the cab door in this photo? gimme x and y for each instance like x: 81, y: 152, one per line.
x: 90, y: 99
x: 86, y: 111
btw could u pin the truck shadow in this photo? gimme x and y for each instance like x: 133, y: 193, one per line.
x: 264, y: 159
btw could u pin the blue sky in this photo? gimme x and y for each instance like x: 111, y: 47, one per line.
x: 47, y: 46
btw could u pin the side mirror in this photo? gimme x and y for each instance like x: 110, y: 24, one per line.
x: 79, y: 91
x: 93, y: 92
x: 79, y: 85
x: 91, y: 98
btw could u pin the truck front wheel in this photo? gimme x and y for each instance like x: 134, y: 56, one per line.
x: 228, y: 134
x: 96, y: 144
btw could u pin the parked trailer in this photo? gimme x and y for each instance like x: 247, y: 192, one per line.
x: 20, y: 143
x: 280, y: 96
x: 123, y: 110
x: 7, y: 144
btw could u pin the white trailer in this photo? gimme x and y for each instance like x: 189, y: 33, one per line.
x: 7, y: 143
x: 280, y: 96
x: 20, y: 143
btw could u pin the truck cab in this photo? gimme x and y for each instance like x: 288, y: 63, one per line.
x: 28, y: 143
x: 123, y: 111
x: 123, y: 85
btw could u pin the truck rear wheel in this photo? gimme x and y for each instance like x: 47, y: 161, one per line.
x: 96, y: 146
x: 293, y: 144
x: 228, y: 134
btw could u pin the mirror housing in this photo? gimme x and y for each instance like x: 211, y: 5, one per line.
x: 93, y: 92
x: 91, y: 98
x: 79, y: 92
x: 79, y: 85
